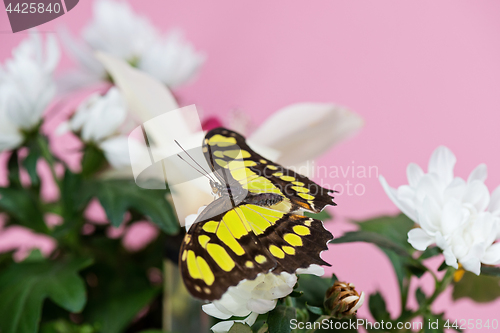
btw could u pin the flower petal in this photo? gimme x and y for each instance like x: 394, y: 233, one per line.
x: 407, y: 208
x: 442, y: 163
x: 492, y: 255
x: 414, y: 174
x: 419, y: 239
x: 320, y: 127
x: 479, y: 173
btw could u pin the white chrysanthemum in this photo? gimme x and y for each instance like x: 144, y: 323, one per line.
x: 26, y: 88
x: 99, y: 120
x: 251, y: 297
x: 451, y: 212
x: 117, y: 30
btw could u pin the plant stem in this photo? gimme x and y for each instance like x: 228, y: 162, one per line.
x: 168, y: 290
x: 49, y: 158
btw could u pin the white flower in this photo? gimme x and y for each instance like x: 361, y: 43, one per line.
x: 117, y: 30
x: 26, y: 88
x: 99, y: 120
x: 251, y: 297
x: 451, y: 212
x: 172, y: 60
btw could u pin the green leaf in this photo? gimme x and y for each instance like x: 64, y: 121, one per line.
x: 395, y: 228
x: 313, y: 288
x: 13, y: 167
x: 430, y: 252
x: 378, y: 308
x: 30, y: 162
x: 490, y: 270
x: 118, y: 196
x: 240, y: 328
x: 374, y: 238
x: 93, y: 160
x: 64, y: 326
x: 322, y: 216
x: 24, y: 287
x: 315, y: 309
x: 114, y: 314
x: 442, y: 267
x: 419, y: 294
x: 23, y: 206
x: 279, y: 319
x: 482, y: 288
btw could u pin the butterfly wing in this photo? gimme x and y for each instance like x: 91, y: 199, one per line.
x: 223, y: 250
x: 226, y: 150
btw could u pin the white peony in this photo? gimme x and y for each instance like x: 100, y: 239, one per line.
x: 451, y: 212
x: 26, y: 88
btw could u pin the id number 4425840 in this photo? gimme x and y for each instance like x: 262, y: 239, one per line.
x: 470, y: 324
x: 34, y: 7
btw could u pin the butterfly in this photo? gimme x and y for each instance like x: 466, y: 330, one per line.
x: 255, y: 225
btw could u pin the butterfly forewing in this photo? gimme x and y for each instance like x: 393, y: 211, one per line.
x: 236, y: 238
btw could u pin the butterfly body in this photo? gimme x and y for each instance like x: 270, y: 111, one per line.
x: 253, y: 226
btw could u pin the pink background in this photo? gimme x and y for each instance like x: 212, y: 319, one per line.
x: 421, y: 74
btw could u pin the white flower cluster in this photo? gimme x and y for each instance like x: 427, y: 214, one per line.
x: 118, y: 31
x: 251, y: 297
x: 100, y: 120
x: 26, y: 88
x: 460, y: 217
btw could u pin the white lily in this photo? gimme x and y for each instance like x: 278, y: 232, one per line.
x: 117, y: 30
x: 451, y: 212
x: 26, y: 88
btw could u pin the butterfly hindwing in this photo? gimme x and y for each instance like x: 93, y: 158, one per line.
x: 220, y: 252
x: 252, y: 227
x: 225, y: 149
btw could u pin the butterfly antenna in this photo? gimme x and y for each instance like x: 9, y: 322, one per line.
x: 203, y: 174
x: 206, y: 174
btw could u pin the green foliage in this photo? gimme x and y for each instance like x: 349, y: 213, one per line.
x: 279, y: 319
x: 119, y: 196
x: 378, y: 307
x: 240, y: 328
x: 24, y: 287
x: 482, y: 288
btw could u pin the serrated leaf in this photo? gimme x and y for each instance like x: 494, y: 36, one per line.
x: 279, y: 319
x: 23, y: 206
x: 482, y: 288
x: 24, y: 287
x: 378, y: 308
x: 315, y: 309
x: 240, y: 328
x: 395, y: 228
x: 119, y: 196
x: 374, y: 238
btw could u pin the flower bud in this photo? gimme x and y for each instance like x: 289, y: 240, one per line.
x: 342, y: 299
